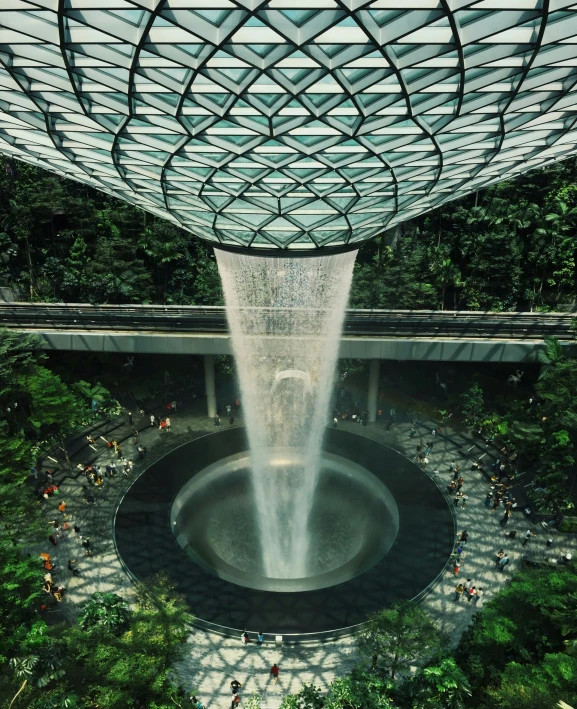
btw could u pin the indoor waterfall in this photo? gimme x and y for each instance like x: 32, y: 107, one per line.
x: 285, y: 317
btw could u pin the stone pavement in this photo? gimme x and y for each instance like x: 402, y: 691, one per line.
x: 211, y: 660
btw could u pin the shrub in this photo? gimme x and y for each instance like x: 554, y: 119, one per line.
x: 569, y: 524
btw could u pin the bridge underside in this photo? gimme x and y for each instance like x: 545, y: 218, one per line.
x: 386, y: 348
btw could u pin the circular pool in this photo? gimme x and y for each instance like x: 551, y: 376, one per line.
x: 353, y: 523
x: 380, y: 531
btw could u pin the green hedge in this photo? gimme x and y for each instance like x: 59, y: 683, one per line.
x: 569, y: 524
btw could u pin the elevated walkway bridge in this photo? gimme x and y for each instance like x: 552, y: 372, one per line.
x: 367, y: 334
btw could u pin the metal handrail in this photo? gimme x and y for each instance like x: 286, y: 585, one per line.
x: 155, y: 318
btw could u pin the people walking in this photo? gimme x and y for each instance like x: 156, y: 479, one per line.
x: 472, y: 592
x: 478, y: 595
x: 259, y: 639
x: 167, y: 423
x: 130, y: 418
x: 528, y: 534
x: 503, y: 562
x: 216, y: 420
x: 274, y: 672
x: 235, y: 685
x: 459, y: 591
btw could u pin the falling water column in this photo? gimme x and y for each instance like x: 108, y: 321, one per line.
x: 285, y: 317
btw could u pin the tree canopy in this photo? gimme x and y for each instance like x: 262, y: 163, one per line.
x: 509, y: 247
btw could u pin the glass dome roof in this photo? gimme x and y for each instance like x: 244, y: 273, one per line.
x: 288, y: 124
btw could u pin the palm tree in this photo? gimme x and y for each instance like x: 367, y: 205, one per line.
x: 550, y: 356
x: 41, y: 668
x: 553, y: 227
x: 567, y: 617
x: 445, y: 271
x: 501, y: 212
x: 563, y: 218
x: 96, y: 392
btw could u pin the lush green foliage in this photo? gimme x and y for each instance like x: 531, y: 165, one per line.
x: 510, y: 247
x: 105, y: 611
x: 359, y: 690
x: 517, y: 646
x: 519, y: 652
x: 115, y: 657
x: 442, y: 685
x: 569, y: 524
x: 127, y: 659
x: 62, y: 241
x: 472, y: 405
x: 397, y: 638
x: 540, y: 427
x: 112, y: 658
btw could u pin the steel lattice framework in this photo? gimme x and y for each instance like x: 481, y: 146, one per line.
x: 288, y: 123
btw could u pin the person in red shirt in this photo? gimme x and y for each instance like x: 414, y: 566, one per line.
x: 274, y: 672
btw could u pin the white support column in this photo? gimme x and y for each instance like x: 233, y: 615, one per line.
x: 373, y: 394
x: 209, y: 385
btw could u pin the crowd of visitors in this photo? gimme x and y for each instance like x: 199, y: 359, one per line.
x: 63, y: 531
x: 352, y: 413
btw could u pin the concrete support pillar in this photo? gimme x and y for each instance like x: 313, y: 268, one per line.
x: 374, y: 372
x: 209, y: 385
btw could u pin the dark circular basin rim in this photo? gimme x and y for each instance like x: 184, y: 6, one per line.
x: 414, y: 564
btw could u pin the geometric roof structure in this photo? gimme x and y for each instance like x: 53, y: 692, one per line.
x: 288, y: 123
